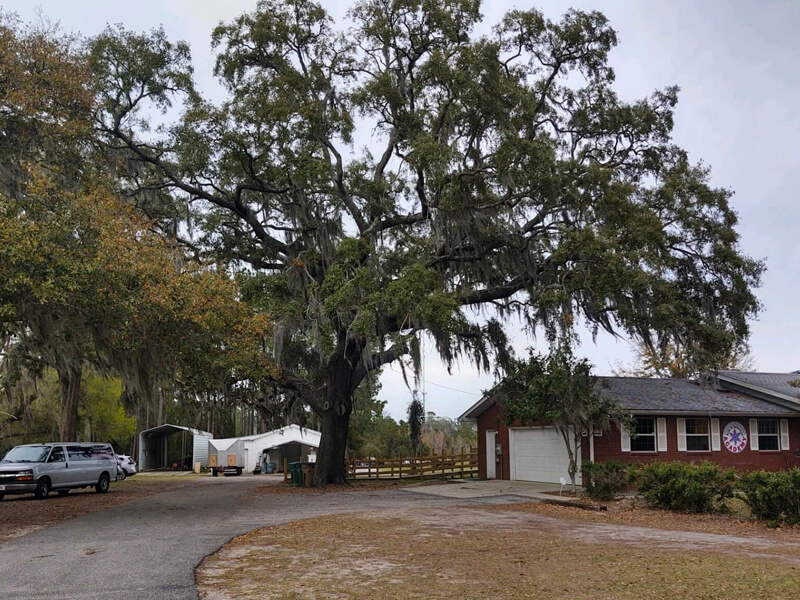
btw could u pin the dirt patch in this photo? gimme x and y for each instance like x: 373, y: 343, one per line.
x: 628, y: 512
x: 20, y: 515
x: 467, y: 553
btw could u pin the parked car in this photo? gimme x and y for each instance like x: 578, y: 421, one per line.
x: 60, y: 467
x: 127, y: 466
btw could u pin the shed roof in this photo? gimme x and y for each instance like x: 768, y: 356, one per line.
x: 167, y: 428
x: 277, y: 437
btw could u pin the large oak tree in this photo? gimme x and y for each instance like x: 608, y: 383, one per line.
x: 401, y: 175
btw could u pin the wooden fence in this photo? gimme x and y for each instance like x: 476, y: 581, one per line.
x: 456, y: 466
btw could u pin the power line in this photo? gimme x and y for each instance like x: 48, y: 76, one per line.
x: 452, y: 389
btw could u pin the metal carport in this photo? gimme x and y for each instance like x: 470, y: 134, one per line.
x: 153, y: 446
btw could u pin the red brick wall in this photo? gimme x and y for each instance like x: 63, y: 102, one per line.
x: 492, y: 418
x: 608, y: 447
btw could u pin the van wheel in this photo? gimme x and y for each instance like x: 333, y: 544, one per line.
x: 214, y: 473
x: 42, y: 488
x: 122, y: 475
x: 63, y: 492
x: 2, y: 496
x: 102, y: 485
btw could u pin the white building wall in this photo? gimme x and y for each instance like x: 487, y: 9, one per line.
x: 200, y: 449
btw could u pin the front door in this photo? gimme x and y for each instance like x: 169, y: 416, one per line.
x: 490, y: 454
x: 56, y: 467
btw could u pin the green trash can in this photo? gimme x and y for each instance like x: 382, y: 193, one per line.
x: 296, y: 473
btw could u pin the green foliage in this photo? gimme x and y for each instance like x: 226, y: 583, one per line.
x: 688, y: 487
x: 508, y: 175
x: 558, y: 390
x: 103, y: 415
x: 604, y: 480
x: 772, y: 497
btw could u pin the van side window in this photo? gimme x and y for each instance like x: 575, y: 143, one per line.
x: 57, y: 455
x: 79, y: 453
x: 102, y: 452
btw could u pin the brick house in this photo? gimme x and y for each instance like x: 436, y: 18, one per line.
x: 737, y: 419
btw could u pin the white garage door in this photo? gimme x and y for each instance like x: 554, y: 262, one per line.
x: 538, y: 454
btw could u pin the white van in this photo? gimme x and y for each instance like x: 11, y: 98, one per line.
x: 59, y: 467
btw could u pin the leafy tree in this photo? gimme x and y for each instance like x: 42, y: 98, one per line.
x: 558, y: 390
x: 677, y: 362
x: 503, y: 173
x: 442, y: 434
x: 102, y: 413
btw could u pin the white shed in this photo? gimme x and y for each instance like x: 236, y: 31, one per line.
x: 293, y: 442
x: 154, y: 447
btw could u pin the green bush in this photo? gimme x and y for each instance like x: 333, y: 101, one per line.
x: 697, y: 488
x: 773, y: 497
x: 604, y: 480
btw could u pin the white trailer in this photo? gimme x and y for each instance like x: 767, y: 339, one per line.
x: 226, y: 456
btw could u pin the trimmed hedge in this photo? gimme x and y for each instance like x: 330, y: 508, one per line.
x: 604, y: 480
x: 688, y: 487
x: 773, y: 497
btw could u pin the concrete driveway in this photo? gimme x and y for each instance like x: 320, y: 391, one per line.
x: 149, y: 548
x: 470, y: 489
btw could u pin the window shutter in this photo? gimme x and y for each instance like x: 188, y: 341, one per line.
x: 625, y: 439
x: 715, y: 444
x: 784, y: 434
x: 681, y: 435
x: 753, y: 434
x: 661, y: 429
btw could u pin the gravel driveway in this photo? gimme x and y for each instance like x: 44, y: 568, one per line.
x: 149, y: 548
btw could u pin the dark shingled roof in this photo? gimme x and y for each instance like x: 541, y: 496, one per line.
x: 681, y: 395
x: 773, y: 382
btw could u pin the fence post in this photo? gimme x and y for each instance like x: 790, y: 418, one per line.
x: 462, y: 462
x: 285, y: 470
x: 443, y: 455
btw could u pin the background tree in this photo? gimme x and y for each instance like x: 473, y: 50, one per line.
x: 558, y: 390
x: 675, y: 361
x: 416, y: 419
x: 503, y: 173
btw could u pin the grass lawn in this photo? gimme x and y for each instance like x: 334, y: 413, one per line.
x: 467, y: 553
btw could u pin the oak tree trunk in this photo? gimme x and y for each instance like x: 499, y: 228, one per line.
x: 330, y: 465
x: 334, y: 415
x: 69, y: 381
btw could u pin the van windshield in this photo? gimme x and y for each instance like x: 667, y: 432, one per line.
x: 27, y: 454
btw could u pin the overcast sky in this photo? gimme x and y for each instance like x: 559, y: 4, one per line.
x: 738, y: 65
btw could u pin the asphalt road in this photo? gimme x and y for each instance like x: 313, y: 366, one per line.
x: 149, y: 548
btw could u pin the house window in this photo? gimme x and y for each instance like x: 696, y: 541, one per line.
x: 644, y: 439
x: 768, y: 434
x: 697, y: 435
